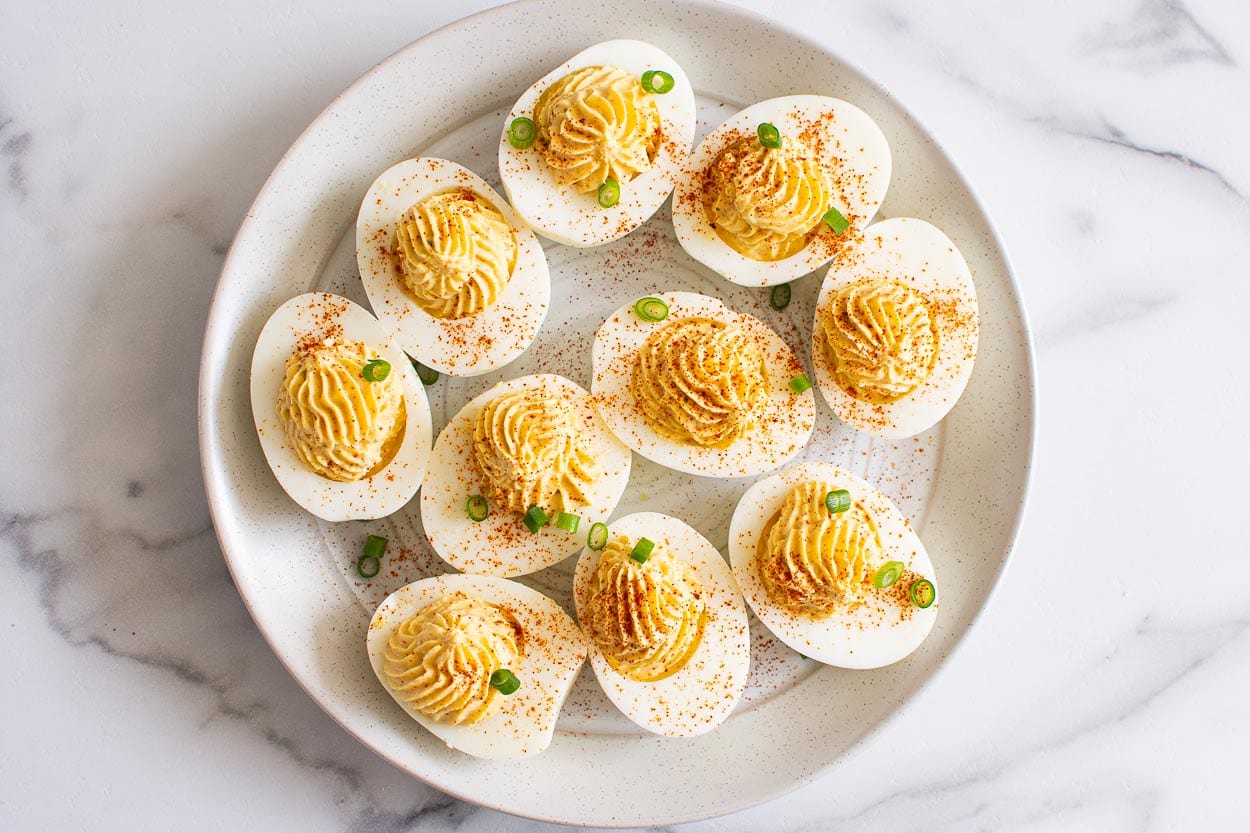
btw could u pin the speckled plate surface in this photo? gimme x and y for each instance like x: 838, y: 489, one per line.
x: 962, y: 483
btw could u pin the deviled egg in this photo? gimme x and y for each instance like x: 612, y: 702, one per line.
x: 341, y: 416
x: 774, y: 192
x: 896, y: 329
x: 450, y: 268
x: 670, y: 644
x: 519, y: 476
x: 481, y: 662
x: 695, y: 386
x: 832, y: 568
x: 593, y: 148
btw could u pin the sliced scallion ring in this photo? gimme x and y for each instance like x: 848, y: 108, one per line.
x: 368, y: 566
x: 535, y: 519
x: 375, y: 546
x: 642, y: 550
x: 504, y: 681
x: 522, y: 132
x: 887, y: 574
x: 597, y: 538
x: 657, y: 81
x: 770, y: 136
x: 376, y: 370
x: 922, y: 592
x: 651, y: 309
x: 833, y: 219
x: 476, y: 508
x: 427, y: 375
x: 568, y: 522
x: 609, y: 193
x: 779, y: 298
x: 839, y: 500
x: 800, y: 383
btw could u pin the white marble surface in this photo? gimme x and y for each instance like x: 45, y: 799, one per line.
x: 1106, y: 688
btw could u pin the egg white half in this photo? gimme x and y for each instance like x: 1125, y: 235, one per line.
x: 701, y: 695
x: 466, y: 346
x: 853, y: 150
x: 522, y: 723
x: 918, y: 254
x: 879, y: 632
x: 784, y: 428
x: 501, y: 545
x: 316, y: 315
x: 574, y: 219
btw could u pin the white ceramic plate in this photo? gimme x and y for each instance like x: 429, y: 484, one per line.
x: 962, y: 483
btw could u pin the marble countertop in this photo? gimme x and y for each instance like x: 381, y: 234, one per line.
x: 1105, y: 689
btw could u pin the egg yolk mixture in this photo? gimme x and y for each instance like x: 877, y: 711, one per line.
x: 700, y: 381
x: 597, y: 123
x: 456, y: 253
x: 811, y: 561
x: 440, y: 661
x: 648, y: 618
x: 766, y: 203
x: 880, y: 339
x: 341, y: 426
x: 530, y: 452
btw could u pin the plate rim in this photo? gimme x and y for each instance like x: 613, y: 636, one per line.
x: 217, y: 493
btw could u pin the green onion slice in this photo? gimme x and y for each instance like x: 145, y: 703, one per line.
x: 651, y: 309
x: 522, y: 132
x: 568, y: 522
x: 535, y: 519
x: 376, y: 370
x: 609, y: 193
x: 375, y: 546
x: 504, y: 681
x: 800, y: 383
x: 597, y: 538
x: 839, y: 500
x: 779, y: 298
x: 427, y: 375
x: 922, y: 592
x: 642, y: 550
x: 834, y: 219
x: 368, y: 566
x: 476, y: 508
x: 657, y: 81
x: 887, y: 574
x: 770, y: 136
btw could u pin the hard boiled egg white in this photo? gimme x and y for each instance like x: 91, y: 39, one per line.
x: 783, y: 431
x: 700, y: 696
x: 521, y: 723
x: 574, y: 219
x: 885, y: 628
x: 318, y: 316
x: 501, y: 545
x: 466, y: 346
x: 918, y: 254
x: 854, y: 152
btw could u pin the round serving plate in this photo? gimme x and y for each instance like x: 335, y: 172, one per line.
x: 962, y: 484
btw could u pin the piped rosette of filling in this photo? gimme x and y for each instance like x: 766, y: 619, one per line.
x: 520, y: 475
x: 895, y: 331
x: 341, y: 425
x: 646, y: 617
x: 832, y: 568
x: 456, y: 253
x: 440, y: 661
x: 670, y: 642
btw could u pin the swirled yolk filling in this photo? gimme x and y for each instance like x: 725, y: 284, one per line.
x: 597, y: 123
x: 530, y: 452
x: 881, y: 339
x: 647, y: 619
x: 700, y: 381
x: 766, y: 203
x: 456, y: 253
x: 341, y: 426
x: 440, y: 661
x: 811, y: 561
